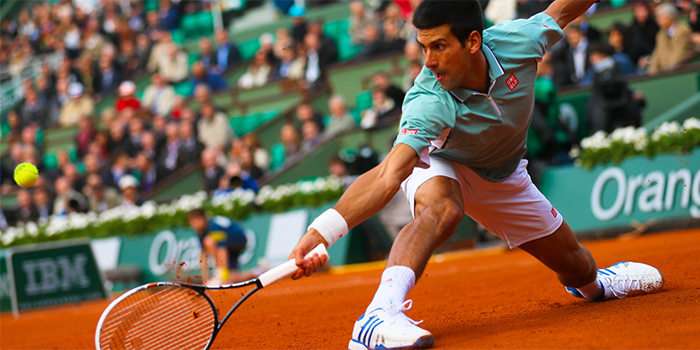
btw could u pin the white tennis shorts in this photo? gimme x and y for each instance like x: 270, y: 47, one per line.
x: 513, y: 209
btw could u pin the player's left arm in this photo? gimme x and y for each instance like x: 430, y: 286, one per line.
x: 565, y: 11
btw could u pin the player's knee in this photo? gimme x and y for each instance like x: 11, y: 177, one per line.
x: 445, y: 212
x: 208, y: 244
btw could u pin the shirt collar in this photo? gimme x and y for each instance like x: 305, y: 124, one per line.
x: 495, y: 70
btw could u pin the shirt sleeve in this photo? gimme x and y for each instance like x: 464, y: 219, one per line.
x: 525, y: 38
x: 426, y: 115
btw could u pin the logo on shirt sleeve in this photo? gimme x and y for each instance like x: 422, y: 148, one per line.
x: 408, y: 131
x: 512, y: 81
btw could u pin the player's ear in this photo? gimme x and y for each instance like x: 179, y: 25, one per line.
x: 473, y: 43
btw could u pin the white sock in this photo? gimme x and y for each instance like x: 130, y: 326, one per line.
x: 593, y: 290
x: 397, y: 281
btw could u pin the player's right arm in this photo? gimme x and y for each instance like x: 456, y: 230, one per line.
x: 364, y: 198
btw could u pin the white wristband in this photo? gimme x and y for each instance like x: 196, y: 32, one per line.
x: 331, y: 225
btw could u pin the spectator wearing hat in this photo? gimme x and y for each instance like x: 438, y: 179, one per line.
x: 77, y: 107
x: 130, y: 191
x: 127, y: 97
x: 159, y: 97
x: 673, y: 43
x: 298, y: 14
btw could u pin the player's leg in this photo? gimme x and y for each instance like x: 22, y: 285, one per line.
x: 435, y: 195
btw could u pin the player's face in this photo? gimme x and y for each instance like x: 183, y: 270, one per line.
x: 198, y: 223
x: 445, y: 56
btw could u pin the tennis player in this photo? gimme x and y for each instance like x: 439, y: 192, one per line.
x: 224, y: 240
x: 459, y: 150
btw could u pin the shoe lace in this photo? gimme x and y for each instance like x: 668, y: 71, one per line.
x: 407, y: 305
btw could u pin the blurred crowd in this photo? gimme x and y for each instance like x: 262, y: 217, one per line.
x: 125, y: 152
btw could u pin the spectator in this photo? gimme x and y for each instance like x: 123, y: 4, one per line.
x: 328, y: 46
x: 211, y: 79
x: 191, y: 148
x: 227, y: 53
x: 644, y: 25
x: 290, y: 143
x: 127, y: 97
x: 158, y: 97
x: 317, y: 60
x: 213, y: 128
x: 168, y: 16
x: 86, y: 133
x: 257, y: 73
x: 33, y: 110
x: 306, y: 112
x: 14, y: 123
x: 248, y: 165
x: 70, y: 171
x: 612, y: 104
x: 211, y: 171
x: 373, y: 43
x: 673, y: 43
x: 360, y: 18
x: 100, y: 197
x: 383, y: 108
x: 77, y: 107
x: 206, y: 53
x: 285, y: 63
x: 133, y: 144
x: 92, y: 165
x: 298, y: 14
x: 412, y: 71
x: 142, y: 50
x: 25, y: 210
x: 64, y: 195
x: 282, y: 43
x: 119, y: 168
x: 149, y: 146
x: 42, y: 203
x: 339, y: 119
x: 150, y: 173
x: 261, y: 157
x: 202, y: 93
x: 172, y: 66
x: 118, y: 141
x: 240, y: 178
x: 131, y: 197
x: 624, y: 42
x: 571, y: 59
x: 392, y: 39
x: 297, y: 70
x: 311, y: 134
x: 382, y: 81
x: 106, y: 78
x: 170, y: 151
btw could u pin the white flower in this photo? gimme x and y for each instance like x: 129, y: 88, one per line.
x: 8, y: 237
x: 575, y: 152
x: 691, y: 123
x: 624, y: 135
x: 666, y: 129
x: 597, y: 141
x: 32, y: 229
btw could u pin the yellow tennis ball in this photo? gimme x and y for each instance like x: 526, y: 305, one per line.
x: 26, y: 174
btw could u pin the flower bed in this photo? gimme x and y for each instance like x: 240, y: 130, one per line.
x: 601, y: 148
x: 150, y: 216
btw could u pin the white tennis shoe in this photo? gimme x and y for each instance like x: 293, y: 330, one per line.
x: 389, y: 329
x: 625, y: 279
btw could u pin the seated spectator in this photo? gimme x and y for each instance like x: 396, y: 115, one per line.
x: 211, y: 171
x: 206, y: 53
x: 311, y: 134
x: 306, y: 112
x: 298, y: 14
x: 33, y: 110
x: 382, y: 81
x: 119, y: 168
x: 107, y: 77
x: 317, y: 60
x: 172, y: 66
x: 644, y: 25
x: 297, y: 70
x: 290, y: 143
x: 150, y: 173
x: 374, y: 45
x: 77, y: 107
x: 673, y: 43
x: 248, y: 165
x: 202, y: 93
x: 412, y: 71
x: 392, y: 38
x: 213, y: 128
x: 261, y: 157
x: 159, y: 97
x: 14, y: 123
x: 227, y: 53
x: 136, y: 128
x: 257, y: 73
x: 360, y: 18
x: 25, y: 210
x: 382, y: 109
x: 42, y: 203
x: 100, y: 197
x: 200, y: 76
x: 178, y: 106
x: 238, y: 178
x: 191, y: 148
x: 625, y: 43
x: 86, y: 133
x: 339, y: 119
x: 328, y: 46
x: 612, y: 103
x: 169, y: 153
x: 168, y: 16
x: 571, y: 59
x: 283, y: 42
x: 287, y: 58
x: 129, y: 187
x: 64, y: 195
x: 118, y: 140
x: 127, y: 97
x: 149, y: 146
x: 91, y: 164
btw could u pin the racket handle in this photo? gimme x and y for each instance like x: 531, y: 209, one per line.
x: 287, y: 269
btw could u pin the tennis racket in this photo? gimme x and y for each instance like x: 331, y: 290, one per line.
x: 172, y: 315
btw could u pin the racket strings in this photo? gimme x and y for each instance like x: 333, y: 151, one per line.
x: 167, y: 317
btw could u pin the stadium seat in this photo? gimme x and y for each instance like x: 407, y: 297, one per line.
x: 248, y: 49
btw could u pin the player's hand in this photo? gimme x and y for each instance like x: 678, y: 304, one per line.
x: 308, y: 266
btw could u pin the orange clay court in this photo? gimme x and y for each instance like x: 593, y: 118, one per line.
x: 478, y: 299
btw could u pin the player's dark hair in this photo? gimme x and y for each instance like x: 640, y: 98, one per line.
x: 199, y: 212
x: 463, y: 17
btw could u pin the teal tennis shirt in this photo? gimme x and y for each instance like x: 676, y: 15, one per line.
x: 486, y: 132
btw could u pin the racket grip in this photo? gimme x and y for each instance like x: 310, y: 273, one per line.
x: 288, y: 268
